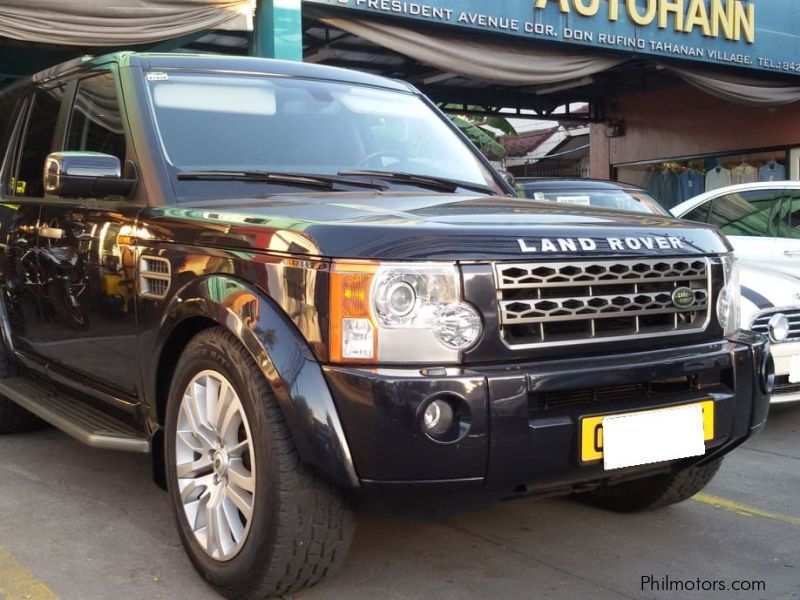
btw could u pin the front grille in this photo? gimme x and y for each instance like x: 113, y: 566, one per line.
x: 587, y: 397
x: 784, y: 386
x: 570, y: 303
x: 761, y: 322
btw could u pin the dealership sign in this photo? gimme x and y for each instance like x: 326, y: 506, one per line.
x: 758, y: 35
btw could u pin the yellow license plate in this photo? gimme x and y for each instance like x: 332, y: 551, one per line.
x: 592, y: 430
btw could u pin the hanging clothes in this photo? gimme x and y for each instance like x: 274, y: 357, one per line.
x: 772, y: 171
x: 718, y: 177
x: 651, y: 182
x: 744, y: 173
x: 666, y: 188
x: 691, y: 183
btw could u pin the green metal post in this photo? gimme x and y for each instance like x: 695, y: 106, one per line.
x: 278, y: 31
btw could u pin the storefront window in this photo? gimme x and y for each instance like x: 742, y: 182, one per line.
x: 675, y: 181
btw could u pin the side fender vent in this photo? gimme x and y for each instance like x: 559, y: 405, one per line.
x: 155, y: 275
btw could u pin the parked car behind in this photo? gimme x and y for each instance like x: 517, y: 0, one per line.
x: 762, y: 220
x: 771, y: 305
x: 590, y: 192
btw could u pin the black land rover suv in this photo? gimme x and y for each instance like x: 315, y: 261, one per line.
x: 285, y: 282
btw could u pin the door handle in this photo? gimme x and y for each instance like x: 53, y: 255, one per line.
x: 53, y: 233
x: 791, y: 252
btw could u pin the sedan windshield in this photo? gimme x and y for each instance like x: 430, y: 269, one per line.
x: 617, y: 199
x: 264, y: 124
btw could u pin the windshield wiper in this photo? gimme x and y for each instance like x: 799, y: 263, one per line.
x: 328, y: 182
x: 442, y: 183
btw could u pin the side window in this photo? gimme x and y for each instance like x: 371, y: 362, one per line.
x: 753, y: 213
x: 791, y: 227
x: 95, y: 123
x: 37, y: 142
x: 699, y: 214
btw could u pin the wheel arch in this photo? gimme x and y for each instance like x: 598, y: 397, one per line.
x: 280, y: 351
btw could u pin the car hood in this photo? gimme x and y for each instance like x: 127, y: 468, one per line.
x: 411, y: 226
x: 764, y: 289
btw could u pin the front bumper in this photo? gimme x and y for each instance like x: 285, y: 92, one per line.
x: 785, y: 390
x: 525, y: 418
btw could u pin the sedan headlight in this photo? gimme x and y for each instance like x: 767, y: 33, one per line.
x: 728, y: 302
x: 399, y: 313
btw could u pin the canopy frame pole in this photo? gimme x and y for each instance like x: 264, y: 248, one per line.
x: 278, y: 30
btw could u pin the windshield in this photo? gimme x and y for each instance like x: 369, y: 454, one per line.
x: 634, y: 200
x: 226, y: 122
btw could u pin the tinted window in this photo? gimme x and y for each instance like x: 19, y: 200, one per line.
x: 791, y: 226
x: 752, y: 213
x: 95, y: 123
x: 37, y: 143
x: 282, y: 124
x: 699, y: 214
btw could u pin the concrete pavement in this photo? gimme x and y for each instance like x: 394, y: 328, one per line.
x: 85, y: 524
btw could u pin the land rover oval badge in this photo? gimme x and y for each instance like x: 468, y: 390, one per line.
x: 683, y: 297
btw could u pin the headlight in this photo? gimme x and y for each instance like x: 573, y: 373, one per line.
x: 728, y: 302
x: 399, y: 313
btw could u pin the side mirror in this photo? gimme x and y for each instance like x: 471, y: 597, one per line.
x: 80, y: 174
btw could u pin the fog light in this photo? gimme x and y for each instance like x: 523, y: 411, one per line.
x: 437, y: 420
x: 778, y: 328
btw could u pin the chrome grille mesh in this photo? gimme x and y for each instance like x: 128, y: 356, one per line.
x: 761, y: 322
x: 570, y: 303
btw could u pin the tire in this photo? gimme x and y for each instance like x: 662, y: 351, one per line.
x: 653, y: 492
x: 14, y: 418
x: 300, y: 527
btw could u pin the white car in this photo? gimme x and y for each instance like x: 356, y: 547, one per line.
x: 762, y: 220
x: 771, y: 305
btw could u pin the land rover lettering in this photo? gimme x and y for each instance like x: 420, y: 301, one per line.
x: 564, y: 245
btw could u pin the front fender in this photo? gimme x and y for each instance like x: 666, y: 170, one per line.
x: 283, y: 356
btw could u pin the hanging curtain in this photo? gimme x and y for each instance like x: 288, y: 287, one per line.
x: 118, y: 23
x: 739, y: 89
x: 509, y: 63
x: 522, y: 63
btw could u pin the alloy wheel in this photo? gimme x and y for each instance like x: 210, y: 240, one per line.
x: 215, y: 465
